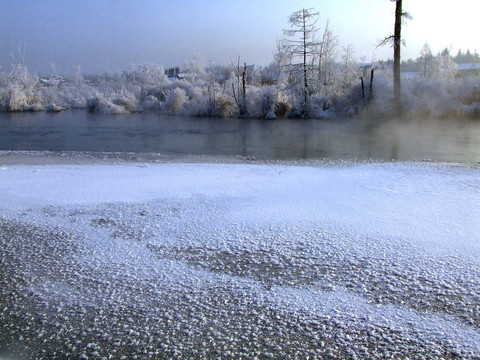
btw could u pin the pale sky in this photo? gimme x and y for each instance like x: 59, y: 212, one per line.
x: 100, y: 35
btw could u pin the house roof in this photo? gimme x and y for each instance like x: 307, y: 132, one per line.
x: 468, y: 66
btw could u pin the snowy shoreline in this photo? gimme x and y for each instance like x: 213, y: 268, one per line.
x: 166, y: 258
x: 35, y: 157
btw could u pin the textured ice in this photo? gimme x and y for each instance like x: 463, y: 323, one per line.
x: 240, y: 260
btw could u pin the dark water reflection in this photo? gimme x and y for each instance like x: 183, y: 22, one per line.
x: 439, y: 140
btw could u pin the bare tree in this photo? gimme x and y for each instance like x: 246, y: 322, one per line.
x: 283, y: 62
x: 397, y: 41
x: 397, y: 38
x: 241, y: 95
x: 350, y: 68
x: 301, y: 43
x: 326, y: 56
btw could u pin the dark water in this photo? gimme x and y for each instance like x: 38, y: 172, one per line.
x: 439, y: 140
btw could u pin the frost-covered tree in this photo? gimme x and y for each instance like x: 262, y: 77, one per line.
x: 442, y: 68
x: 283, y: 63
x: 195, y: 68
x: 327, y: 57
x: 350, y: 70
x: 426, y: 59
x: 301, y: 43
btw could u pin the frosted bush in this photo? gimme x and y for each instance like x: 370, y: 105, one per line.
x: 79, y: 103
x: 176, y: 98
x: 190, y: 90
x: 321, y: 107
x: 151, y: 102
x: 254, y: 102
x: 18, y: 88
x: 101, y: 105
x: 470, y: 111
x: 267, y: 102
x: 198, y: 107
x: 54, y: 108
x: 442, y: 68
x: 269, y: 94
x: 16, y: 100
x: 130, y: 103
x: 225, y: 106
x: 426, y: 98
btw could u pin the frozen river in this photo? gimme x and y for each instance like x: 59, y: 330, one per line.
x: 453, y: 140
x: 337, y: 260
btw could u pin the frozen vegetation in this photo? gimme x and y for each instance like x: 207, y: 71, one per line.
x: 266, y: 92
x: 147, y: 260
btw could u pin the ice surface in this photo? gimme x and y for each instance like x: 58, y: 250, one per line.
x: 216, y: 260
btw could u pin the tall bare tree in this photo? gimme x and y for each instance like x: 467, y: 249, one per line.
x: 396, y: 38
x: 397, y: 41
x: 301, y: 42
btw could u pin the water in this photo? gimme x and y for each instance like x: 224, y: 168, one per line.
x: 77, y: 130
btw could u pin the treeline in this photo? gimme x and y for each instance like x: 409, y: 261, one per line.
x: 311, y: 76
x: 412, y: 65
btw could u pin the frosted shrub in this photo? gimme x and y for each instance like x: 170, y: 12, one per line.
x: 198, y: 107
x: 470, y: 111
x: 176, y: 98
x: 79, y: 103
x: 18, y: 89
x: 269, y: 101
x: 190, y: 90
x: 321, y: 107
x: 127, y: 100
x: 225, y: 106
x: 101, y: 105
x: 467, y: 90
x: 255, y: 102
x: 129, y: 103
x: 49, y: 95
x: 442, y: 68
x: 16, y: 99
x: 426, y: 98
x: 150, y: 102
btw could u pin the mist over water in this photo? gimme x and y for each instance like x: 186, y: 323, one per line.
x: 281, y: 139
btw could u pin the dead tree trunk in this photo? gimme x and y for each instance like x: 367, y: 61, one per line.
x: 370, y: 93
x: 363, y: 90
x: 244, y: 85
x: 305, y: 58
x: 241, y: 95
x: 397, y: 40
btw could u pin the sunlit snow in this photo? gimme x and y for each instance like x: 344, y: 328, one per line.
x: 348, y: 260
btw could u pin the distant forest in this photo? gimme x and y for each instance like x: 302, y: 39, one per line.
x: 417, y: 64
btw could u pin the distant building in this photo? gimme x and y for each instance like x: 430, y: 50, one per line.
x: 173, y: 72
x: 468, y: 69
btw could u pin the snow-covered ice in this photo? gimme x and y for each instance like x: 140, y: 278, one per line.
x: 191, y: 260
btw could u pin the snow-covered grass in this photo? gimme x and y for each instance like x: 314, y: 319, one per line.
x: 240, y: 261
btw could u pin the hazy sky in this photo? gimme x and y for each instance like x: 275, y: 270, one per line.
x: 100, y: 35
